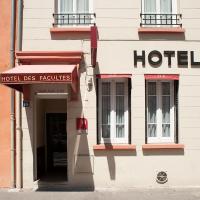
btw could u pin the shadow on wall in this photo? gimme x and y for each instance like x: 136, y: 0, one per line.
x: 70, y: 36
x: 83, y: 168
x: 82, y: 162
x: 161, y: 36
x: 111, y: 157
x: 163, y: 152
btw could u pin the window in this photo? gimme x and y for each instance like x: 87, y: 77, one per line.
x: 74, y: 6
x: 161, y: 111
x: 160, y: 12
x: 113, y: 113
x: 74, y: 12
x: 159, y: 6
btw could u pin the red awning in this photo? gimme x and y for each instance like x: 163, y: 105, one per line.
x: 162, y: 76
x: 34, y: 74
x: 104, y: 76
x: 49, y: 57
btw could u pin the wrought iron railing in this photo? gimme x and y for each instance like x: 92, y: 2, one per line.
x: 161, y: 19
x: 74, y: 19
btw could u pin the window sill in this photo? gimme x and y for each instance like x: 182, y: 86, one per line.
x: 161, y: 30
x: 114, y: 147
x: 79, y: 30
x: 162, y: 146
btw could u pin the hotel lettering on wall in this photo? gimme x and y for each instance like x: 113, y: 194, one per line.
x: 37, y: 78
x: 155, y: 58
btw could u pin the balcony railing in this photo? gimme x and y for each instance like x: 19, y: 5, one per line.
x: 161, y: 19
x: 65, y: 19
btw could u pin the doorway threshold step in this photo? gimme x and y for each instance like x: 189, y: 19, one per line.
x: 52, y: 186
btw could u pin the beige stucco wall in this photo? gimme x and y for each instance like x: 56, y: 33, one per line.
x: 118, y: 23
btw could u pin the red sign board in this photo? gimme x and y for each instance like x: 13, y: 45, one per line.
x: 36, y: 78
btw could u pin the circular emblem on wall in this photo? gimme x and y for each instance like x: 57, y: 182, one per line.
x: 162, y: 177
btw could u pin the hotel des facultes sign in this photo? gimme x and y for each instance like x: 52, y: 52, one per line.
x: 155, y: 58
x: 37, y: 78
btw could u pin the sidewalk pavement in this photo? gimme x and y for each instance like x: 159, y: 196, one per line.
x: 105, y: 194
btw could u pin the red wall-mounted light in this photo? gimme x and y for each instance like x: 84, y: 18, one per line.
x: 81, y: 125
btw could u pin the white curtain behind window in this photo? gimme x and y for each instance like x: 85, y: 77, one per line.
x: 166, y: 6
x: 150, y: 6
x: 120, y: 110
x: 66, y: 6
x: 165, y: 109
x: 152, y: 110
x: 106, y: 109
x: 82, y: 6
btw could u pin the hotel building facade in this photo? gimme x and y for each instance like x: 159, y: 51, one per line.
x: 110, y: 94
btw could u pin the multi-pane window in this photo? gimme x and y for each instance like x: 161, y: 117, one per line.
x: 74, y: 6
x: 160, y: 12
x: 160, y: 111
x: 74, y: 12
x: 113, y: 110
x: 159, y: 6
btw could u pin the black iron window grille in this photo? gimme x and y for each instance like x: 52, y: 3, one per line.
x: 161, y: 19
x: 74, y: 19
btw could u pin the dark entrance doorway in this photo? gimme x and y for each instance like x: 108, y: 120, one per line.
x: 56, y: 149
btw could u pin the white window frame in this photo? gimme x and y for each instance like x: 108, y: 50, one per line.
x: 75, y: 12
x: 158, y: 10
x: 159, y: 138
x: 112, y: 138
x: 174, y: 7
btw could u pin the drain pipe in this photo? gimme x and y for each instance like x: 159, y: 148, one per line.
x: 12, y: 101
x: 18, y: 105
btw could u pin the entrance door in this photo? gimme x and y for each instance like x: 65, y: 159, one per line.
x: 56, y: 145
